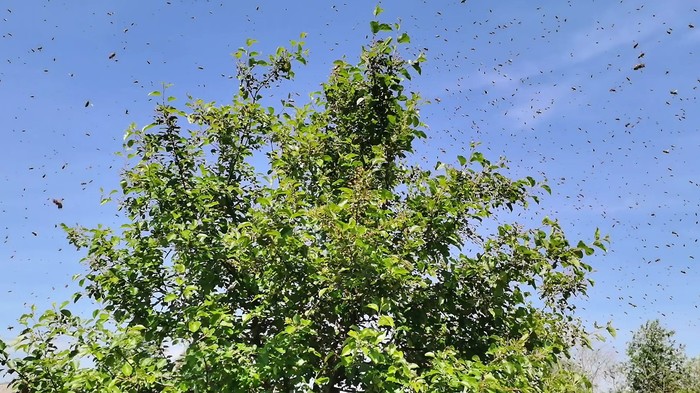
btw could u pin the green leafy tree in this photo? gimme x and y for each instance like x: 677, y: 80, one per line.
x: 656, y: 362
x: 296, y: 249
x: 692, y: 367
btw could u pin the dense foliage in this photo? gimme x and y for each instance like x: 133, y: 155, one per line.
x: 297, y: 249
x: 657, y: 363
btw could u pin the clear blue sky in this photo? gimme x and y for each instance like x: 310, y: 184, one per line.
x: 550, y: 85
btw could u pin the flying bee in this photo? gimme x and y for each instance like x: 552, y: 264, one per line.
x: 58, y: 203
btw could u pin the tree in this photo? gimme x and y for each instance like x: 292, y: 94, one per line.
x: 656, y: 363
x: 692, y: 368
x: 295, y: 249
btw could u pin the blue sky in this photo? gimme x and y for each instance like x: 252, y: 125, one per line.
x: 550, y: 85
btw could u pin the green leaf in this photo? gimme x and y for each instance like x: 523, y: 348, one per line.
x: 377, y: 10
x: 384, y: 27
x: 347, y: 349
x: 611, y: 330
x: 386, y: 320
x: 404, y: 39
x: 194, y: 326
x: 148, y: 127
x: 374, y: 26
x: 419, y: 134
x: 462, y: 160
x: 416, y: 66
x: 169, y: 298
x: 155, y: 93
x: 264, y: 201
x: 127, y: 369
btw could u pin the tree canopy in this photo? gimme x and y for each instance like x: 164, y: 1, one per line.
x: 298, y: 248
x: 656, y: 362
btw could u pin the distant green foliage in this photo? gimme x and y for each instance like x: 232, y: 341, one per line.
x: 340, y: 267
x: 656, y: 363
x: 692, y: 370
